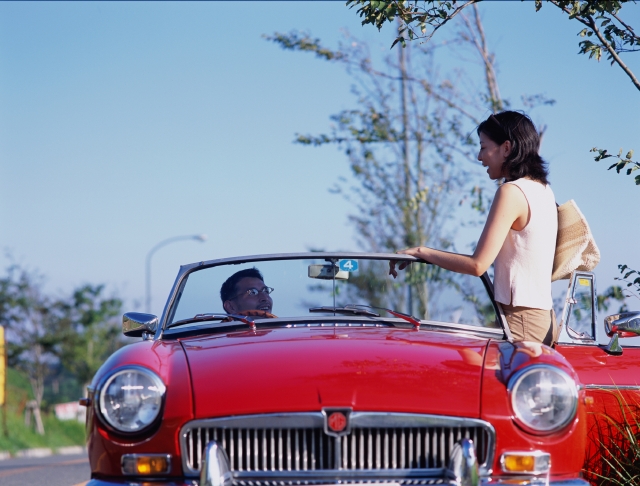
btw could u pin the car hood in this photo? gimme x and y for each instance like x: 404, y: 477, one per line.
x: 306, y: 369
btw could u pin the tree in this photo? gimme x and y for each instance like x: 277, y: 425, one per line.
x: 604, y: 32
x: 30, y: 319
x: 409, y: 146
x: 43, y: 333
x: 89, y: 331
x: 601, y: 20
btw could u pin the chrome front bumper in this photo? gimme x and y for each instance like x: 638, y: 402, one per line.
x: 463, y: 470
x: 513, y: 481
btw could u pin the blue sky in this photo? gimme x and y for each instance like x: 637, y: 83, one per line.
x: 122, y: 124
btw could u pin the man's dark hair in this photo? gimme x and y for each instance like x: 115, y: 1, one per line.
x: 524, y: 160
x: 228, y: 288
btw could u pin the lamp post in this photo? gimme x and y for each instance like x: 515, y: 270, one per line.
x: 155, y: 249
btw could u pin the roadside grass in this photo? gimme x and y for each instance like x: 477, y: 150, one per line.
x: 58, y: 433
x: 619, y: 444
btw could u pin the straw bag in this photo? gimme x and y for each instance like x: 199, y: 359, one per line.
x: 575, y: 247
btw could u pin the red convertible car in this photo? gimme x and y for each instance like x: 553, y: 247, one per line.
x: 322, y: 369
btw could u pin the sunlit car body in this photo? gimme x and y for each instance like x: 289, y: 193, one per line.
x: 337, y: 389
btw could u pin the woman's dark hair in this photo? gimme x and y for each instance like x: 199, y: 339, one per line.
x: 524, y: 160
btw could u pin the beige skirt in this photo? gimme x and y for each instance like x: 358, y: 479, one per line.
x: 527, y: 324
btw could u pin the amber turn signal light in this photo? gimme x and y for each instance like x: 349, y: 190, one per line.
x: 533, y: 462
x: 146, y: 464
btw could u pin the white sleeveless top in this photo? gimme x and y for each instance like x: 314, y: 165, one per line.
x: 522, y: 269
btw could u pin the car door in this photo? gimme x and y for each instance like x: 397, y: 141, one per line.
x: 609, y: 369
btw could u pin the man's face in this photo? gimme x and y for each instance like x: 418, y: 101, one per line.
x: 242, y: 301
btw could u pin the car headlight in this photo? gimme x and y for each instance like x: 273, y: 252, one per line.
x: 131, y: 399
x: 544, y: 399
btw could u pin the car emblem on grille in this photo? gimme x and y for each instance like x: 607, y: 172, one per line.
x: 336, y: 421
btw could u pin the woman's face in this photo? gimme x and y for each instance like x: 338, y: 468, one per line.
x: 493, y: 155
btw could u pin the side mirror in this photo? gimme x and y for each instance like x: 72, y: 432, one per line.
x: 626, y: 324
x: 134, y: 324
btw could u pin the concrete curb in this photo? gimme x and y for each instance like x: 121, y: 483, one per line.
x: 43, y: 452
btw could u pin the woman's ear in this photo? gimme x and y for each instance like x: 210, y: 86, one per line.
x: 506, y: 148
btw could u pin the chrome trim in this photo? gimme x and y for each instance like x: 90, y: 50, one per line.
x: 613, y: 346
x: 515, y: 378
x: 135, y: 456
x: 484, y: 481
x: 346, y: 430
x: 464, y: 464
x: 129, y: 482
x: 136, y: 324
x: 625, y: 322
x: 525, y: 480
x: 215, y: 467
x: 365, y: 449
x: 350, y: 321
x: 567, y: 335
x: 612, y: 387
x: 98, y: 398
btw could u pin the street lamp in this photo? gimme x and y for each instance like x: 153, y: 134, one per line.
x: 156, y: 248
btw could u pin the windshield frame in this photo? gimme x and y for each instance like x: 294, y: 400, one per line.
x: 186, y: 270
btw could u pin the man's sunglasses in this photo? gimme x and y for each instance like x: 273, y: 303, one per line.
x: 253, y: 292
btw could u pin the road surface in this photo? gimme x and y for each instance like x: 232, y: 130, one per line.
x: 64, y: 470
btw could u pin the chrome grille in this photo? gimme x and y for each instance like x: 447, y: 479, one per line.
x: 264, y: 449
x: 296, y: 446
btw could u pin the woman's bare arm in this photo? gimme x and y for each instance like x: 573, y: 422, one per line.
x: 509, y: 209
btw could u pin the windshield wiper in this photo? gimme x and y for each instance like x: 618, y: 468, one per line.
x: 405, y: 317
x: 213, y: 317
x: 357, y: 309
x: 345, y: 310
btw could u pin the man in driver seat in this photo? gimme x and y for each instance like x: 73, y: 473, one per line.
x: 244, y: 293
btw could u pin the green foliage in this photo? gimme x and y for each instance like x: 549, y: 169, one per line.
x: 604, y: 32
x: 602, y: 20
x: 57, y: 343
x: 89, y: 331
x: 632, y: 280
x: 621, y: 163
x: 605, y: 299
x: 30, y: 319
x: 413, y: 18
x: 296, y: 41
x: 57, y: 433
x: 619, y: 443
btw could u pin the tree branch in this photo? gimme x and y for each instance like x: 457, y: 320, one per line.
x: 590, y: 22
x: 613, y: 53
x: 450, y: 17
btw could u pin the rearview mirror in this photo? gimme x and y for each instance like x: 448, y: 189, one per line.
x: 626, y: 324
x: 328, y: 271
x: 136, y: 323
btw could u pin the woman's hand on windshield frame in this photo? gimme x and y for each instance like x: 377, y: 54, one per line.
x: 509, y: 210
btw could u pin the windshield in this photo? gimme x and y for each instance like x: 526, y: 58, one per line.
x: 302, y: 287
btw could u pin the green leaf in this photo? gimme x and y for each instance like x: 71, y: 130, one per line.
x: 629, y: 154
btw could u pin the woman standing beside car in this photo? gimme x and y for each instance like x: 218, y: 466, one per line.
x: 519, y: 237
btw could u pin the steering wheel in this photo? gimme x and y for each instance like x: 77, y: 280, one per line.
x: 258, y: 313
x: 253, y: 313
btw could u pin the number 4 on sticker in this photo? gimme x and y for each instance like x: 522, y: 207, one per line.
x: 348, y: 265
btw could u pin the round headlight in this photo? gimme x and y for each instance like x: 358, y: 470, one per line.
x: 131, y: 399
x: 544, y: 399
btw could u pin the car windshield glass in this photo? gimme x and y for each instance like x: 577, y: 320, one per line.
x: 293, y: 288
